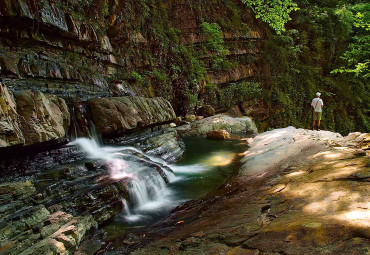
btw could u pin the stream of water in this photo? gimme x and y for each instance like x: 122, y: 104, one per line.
x: 205, y: 166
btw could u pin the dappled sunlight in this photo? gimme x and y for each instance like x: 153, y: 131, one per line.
x: 296, y: 173
x: 217, y: 120
x: 271, y: 136
x: 253, y: 153
x: 329, y: 193
x: 328, y: 155
x: 220, y: 159
x: 357, y: 217
x: 317, y: 208
x: 333, y: 202
x: 340, y: 173
x: 310, y: 191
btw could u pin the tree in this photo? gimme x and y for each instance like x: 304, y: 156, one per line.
x: 274, y: 12
x: 357, y: 57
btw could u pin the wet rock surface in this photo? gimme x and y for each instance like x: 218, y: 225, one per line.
x: 168, y: 146
x: 242, y: 125
x: 313, y: 201
x: 63, y: 198
x: 162, y: 141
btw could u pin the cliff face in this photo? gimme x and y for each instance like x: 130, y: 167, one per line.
x: 192, y: 53
x: 83, y: 50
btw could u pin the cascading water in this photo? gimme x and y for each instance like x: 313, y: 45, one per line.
x: 154, y: 186
x: 81, y: 124
x: 146, y: 186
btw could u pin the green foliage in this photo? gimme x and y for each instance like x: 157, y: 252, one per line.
x: 357, y: 57
x: 216, y: 46
x: 136, y: 76
x: 232, y: 94
x: 323, y: 35
x: 273, y: 12
x: 162, y: 83
x: 237, y: 93
x: 140, y: 79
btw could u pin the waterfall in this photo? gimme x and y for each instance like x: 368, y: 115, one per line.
x: 81, y: 124
x: 146, y: 175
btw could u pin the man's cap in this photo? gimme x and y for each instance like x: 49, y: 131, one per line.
x: 318, y: 94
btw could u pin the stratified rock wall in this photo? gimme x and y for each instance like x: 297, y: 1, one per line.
x: 73, y: 50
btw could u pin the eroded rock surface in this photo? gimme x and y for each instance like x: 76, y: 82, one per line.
x: 43, y: 117
x: 168, y: 146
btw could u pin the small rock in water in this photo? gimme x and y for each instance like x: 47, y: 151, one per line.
x: 173, y: 125
x: 218, y: 135
x: 199, y: 117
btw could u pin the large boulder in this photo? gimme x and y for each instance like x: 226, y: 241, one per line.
x: 43, y: 117
x: 218, y: 135
x: 10, y: 131
x: 244, y: 125
x: 29, y: 118
x: 118, y: 115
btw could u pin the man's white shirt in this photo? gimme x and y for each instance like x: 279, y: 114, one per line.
x: 316, y: 104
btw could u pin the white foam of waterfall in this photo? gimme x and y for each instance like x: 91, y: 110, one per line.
x: 128, y: 215
x: 190, y: 169
x: 147, y: 189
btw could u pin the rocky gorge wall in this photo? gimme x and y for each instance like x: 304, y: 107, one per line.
x: 83, y: 50
x: 192, y: 53
x: 58, y: 58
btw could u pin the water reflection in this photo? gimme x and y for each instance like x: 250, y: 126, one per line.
x: 222, y: 158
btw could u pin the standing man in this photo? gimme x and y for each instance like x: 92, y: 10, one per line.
x: 317, y: 105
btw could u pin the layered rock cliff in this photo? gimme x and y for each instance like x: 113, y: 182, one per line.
x: 83, y: 50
